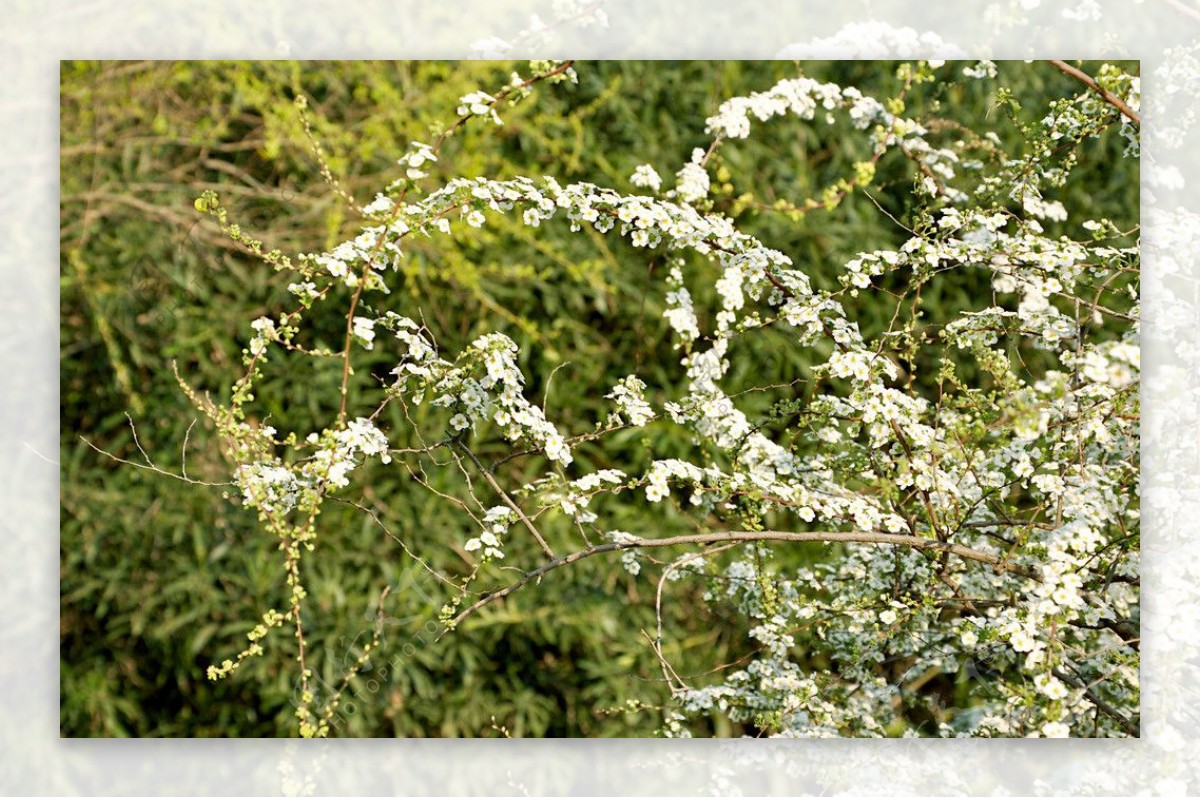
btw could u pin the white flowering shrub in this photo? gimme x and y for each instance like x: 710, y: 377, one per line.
x: 933, y: 524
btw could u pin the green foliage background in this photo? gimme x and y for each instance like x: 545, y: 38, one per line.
x: 160, y: 578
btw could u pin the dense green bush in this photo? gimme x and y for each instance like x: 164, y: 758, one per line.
x: 161, y: 578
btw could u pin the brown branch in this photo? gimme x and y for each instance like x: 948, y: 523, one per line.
x: 1129, y: 725
x: 747, y: 536
x: 656, y: 643
x: 1185, y: 10
x: 350, y: 342
x: 1108, y: 96
x: 487, y: 475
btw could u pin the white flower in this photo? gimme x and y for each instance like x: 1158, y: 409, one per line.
x: 656, y: 490
x: 380, y: 204
x: 477, y: 103
x: 681, y: 316
x: 266, y: 332
x: 630, y: 562
x: 364, y: 331
x: 1056, y: 729
x: 305, y: 290
x: 556, y: 449
x: 420, y: 154
x: 361, y: 436
x: 691, y: 182
x: 631, y: 404
x: 1022, y: 641
x: 1055, y: 690
x: 645, y: 177
x: 982, y: 69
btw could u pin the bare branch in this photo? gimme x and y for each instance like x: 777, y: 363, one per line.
x: 487, y: 475
x: 150, y: 465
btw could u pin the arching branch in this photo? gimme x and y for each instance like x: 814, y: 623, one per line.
x: 748, y: 536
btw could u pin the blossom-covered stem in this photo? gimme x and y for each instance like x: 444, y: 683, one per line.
x: 925, y: 499
x: 572, y: 441
x: 292, y: 549
x: 783, y: 289
x: 1108, y: 96
x: 436, y: 147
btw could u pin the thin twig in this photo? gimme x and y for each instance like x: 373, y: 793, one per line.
x: 375, y: 517
x: 150, y: 465
x: 183, y: 450
x: 1131, y: 727
x: 487, y: 475
x: 668, y: 671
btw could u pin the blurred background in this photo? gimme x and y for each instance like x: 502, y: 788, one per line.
x: 160, y: 578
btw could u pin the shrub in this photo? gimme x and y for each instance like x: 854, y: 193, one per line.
x: 833, y: 433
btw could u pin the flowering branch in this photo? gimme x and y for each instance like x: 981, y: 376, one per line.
x: 1089, y: 81
x: 749, y: 536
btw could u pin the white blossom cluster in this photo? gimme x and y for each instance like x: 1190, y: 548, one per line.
x: 574, y: 497
x: 800, y: 97
x: 414, y: 162
x: 479, y: 103
x: 691, y: 181
x: 274, y: 487
x: 632, y: 407
x: 808, y: 99
x: 645, y: 177
x: 981, y: 70
x: 269, y: 486
x: 495, y: 526
x: 484, y: 384
x: 1070, y: 118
